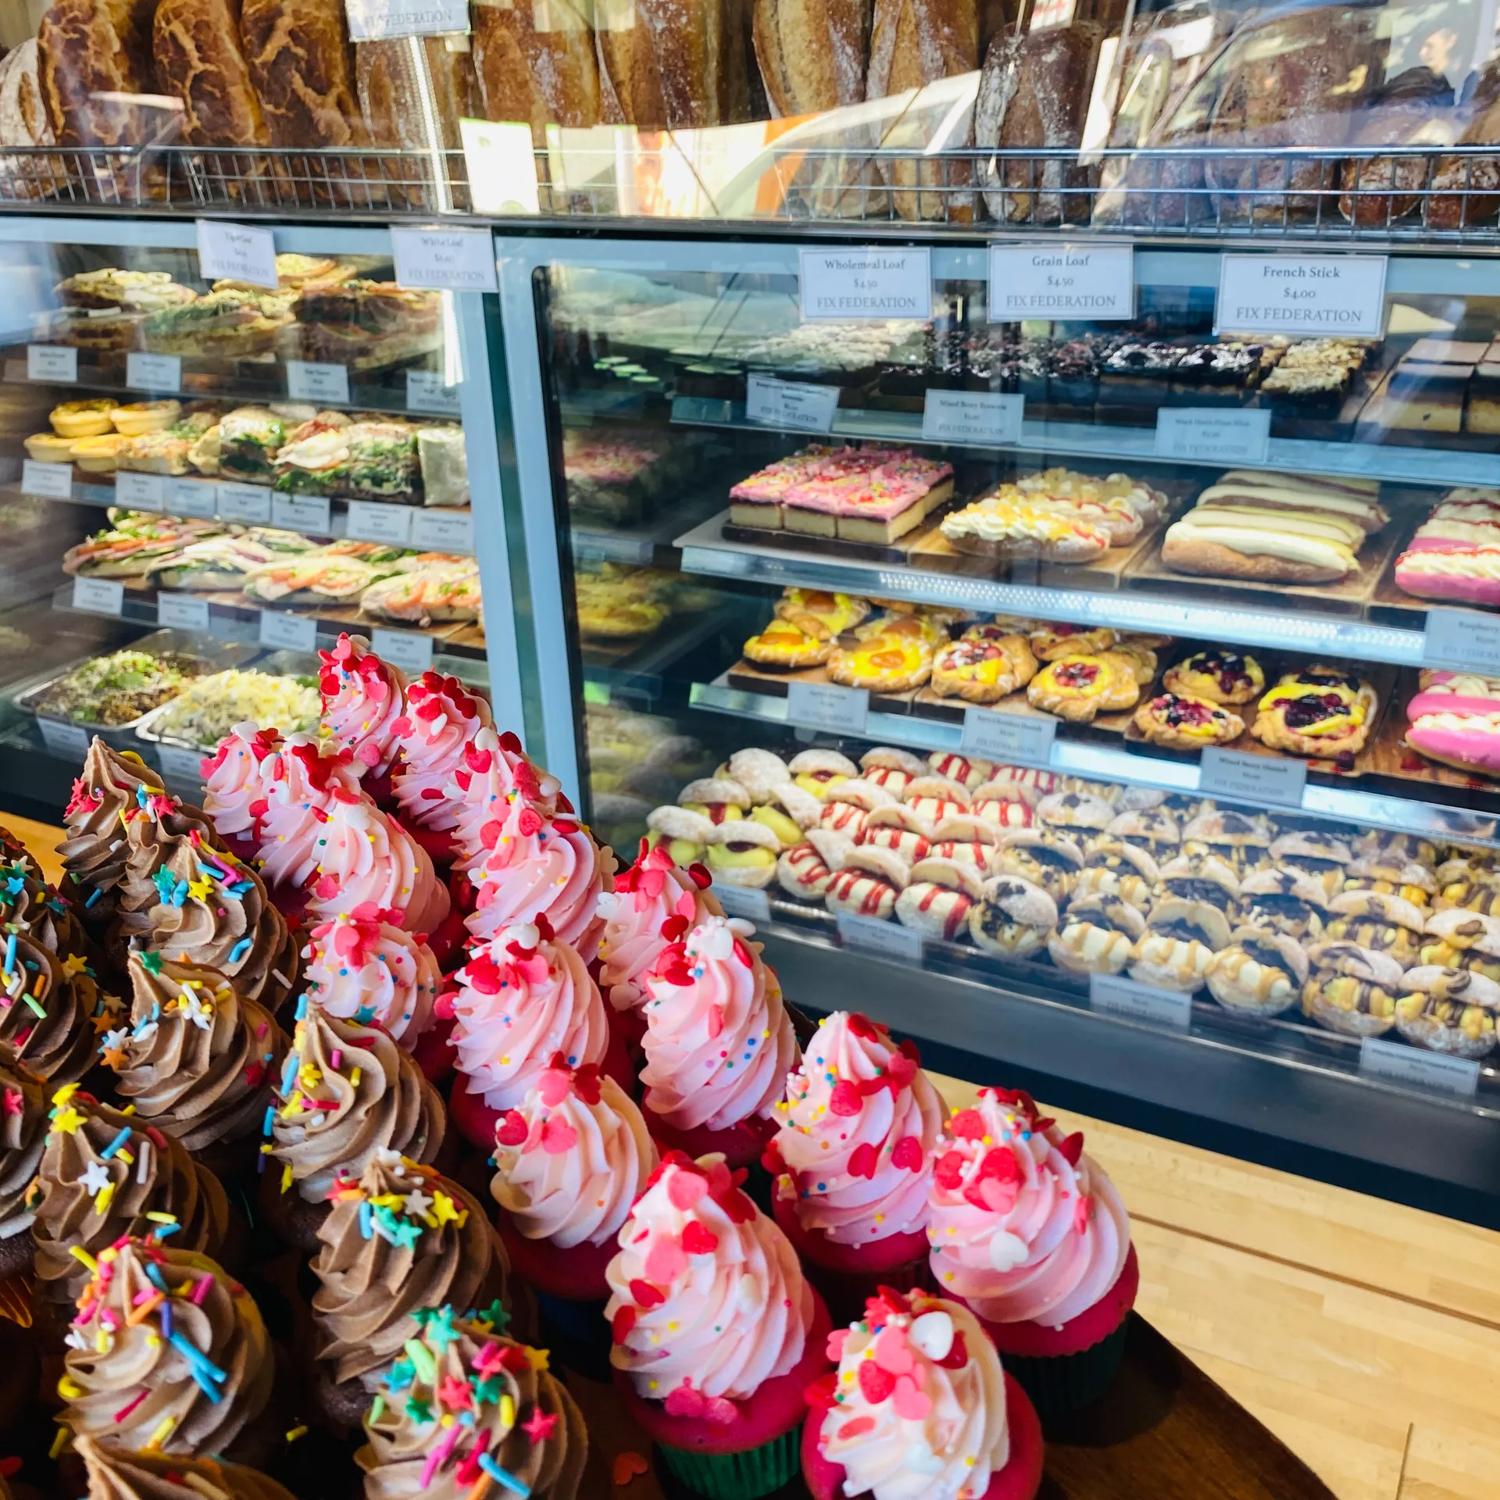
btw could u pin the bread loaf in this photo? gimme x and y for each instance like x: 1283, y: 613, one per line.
x: 536, y: 62
x: 674, y: 64
x: 197, y: 56
x: 813, y: 54
x: 91, y: 47
x: 23, y: 122
x: 1465, y: 188
x: 1379, y: 190
x: 413, y: 91
x: 301, y: 65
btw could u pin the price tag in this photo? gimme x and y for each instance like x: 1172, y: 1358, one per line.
x: 249, y: 504
x: 843, y: 284
x: 452, y: 260
x: 68, y: 740
x: 1210, y: 436
x: 140, y: 491
x: 1398, y: 1062
x: 1462, y: 640
x: 443, y: 531
x: 99, y: 596
x: 425, y: 391
x: 1068, y: 280
x: 182, y: 612
x: 49, y: 481
x: 153, y: 372
x: 883, y: 939
x: 52, y: 363
x: 1327, y: 294
x: 179, y: 763
x: 306, y: 381
x: 237, y: 252
x: 403, y: 648
x: 972, y: 417
x: 792, y: 404
x: 372, y: 521
x: 379, y: 20
x: 825, y: 705
x: 499, y: 160
x: 1116, y: 996
x: 284, y: 632
x: 191, y: 497
x: 1252, y: 778
x: 305, y: 513
x: 744, y: 901
x: 1013, y: 739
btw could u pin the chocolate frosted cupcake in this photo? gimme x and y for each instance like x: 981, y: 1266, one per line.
x: 463, y: 1405
x: 47, y: 1009
x: 104, y: 1175
x: 29, y: 905
x: 167, y: 1352
x: 122, y: 1474
x: 94, y: 849
x: 23, y: 1134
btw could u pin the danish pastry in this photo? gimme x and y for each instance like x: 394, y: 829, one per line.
x: 1048, y: 642
x: 982, y: 670
x: 1097, y: 935
x: 893, y: 625
x: 940, y: 897
x: 784, y: 644
x: 821, y: 614
x: 1179, y: 722
x: 1013, y: 916
x: 1448, y: 1010
x: 1260, y: 973
x: 1079, y: 688
x: 884, y: 663
x: 1315, y: 714
x: 1220, y: 676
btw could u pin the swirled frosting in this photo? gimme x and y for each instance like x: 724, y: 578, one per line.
x: 93, y: 848
x: 29, y: 905
x: 524, y: 997
x: 364, y: 699
x: 652, y: 890
x: 105, y: 1174
x: 1025, y: 1227
x: 299, y: 785
x: 361, y: 966
x: 491, y: 769
x: 196, y: 1058
x: 400, y: 1237
x: 347, y: 1091
x: 718, y: 1041
x: 858, y: 1127
x: 707, y: 1296
x: 23, y: 1134
x: 167, y: 1352
x: 466, y: 1404
x: 918, y: 1407
x: 235, y: 778
x: 572, y: 1158
x: 123, y: 1474
x: 441, y: 719
x: 47, y: 1008
x: 157, y: 824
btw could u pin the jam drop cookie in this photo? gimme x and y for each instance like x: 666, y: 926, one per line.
x: 1448, y: 1010
x: 867, y: 883
x: 1014, y: 916
x: 1260, y: 973
x: 816, y: 771
x: 1079, y: 688
x: 805, y: 871
x: 783, y: 644
x: 1219, y: 676
x: 1179, y: 722
x: 1179, y: 944
x: 939, y: 898
x: 1351, y: 990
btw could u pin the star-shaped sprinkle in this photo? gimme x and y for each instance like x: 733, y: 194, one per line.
x: 151, y: 961
x: 494, y: 1317
x: 75, y: 963
x: 13, y: 1101
x: 418, y: 1409
x: 487, y: 1391
x: 540, y: 1425
x: 66, y: 1120
x: 538, y: 1359
x: 440, y: 1329
x: 443, y: 1209
x: 95, y: 1177
x: 416, y: 1203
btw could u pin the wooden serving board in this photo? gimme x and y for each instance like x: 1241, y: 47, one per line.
x: 1391, y: 760
x: 934, y: 553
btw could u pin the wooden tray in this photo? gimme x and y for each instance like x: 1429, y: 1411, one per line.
x: 934, y: 553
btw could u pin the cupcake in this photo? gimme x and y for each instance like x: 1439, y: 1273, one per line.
x: 23, y: 1135
x: 123, y: 1474
x: 48, y: 1009
x: 29, y: 905
x: 234, y: 786
x: 441, y: 719
x: 718, y: 1042
x: 364, y: 700
x: 467, y: 1407
x: 853, y: 1159
x: 1031, y: 1234
x: 92, y: 851
x: 716, y: 1332
x: 919, y: 1406
x: 298, y: 784
x: 361, y: 966
x: 493, y: 768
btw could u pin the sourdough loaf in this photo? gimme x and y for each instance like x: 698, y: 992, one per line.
x: 91, y: 47
x: 813, y: 54
x: 536, y: 63
x: 23, y: 122
x: 1469, y: 184
x: 413, y: 91
x: 196, y: 50
x: 674, y: 64
x: 1415, y: 110
x: 301, y: 65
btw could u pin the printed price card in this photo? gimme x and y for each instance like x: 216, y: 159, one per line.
x: 237, y: 252
x: 794, y: 404
x: 1318, y: 294
x: 181, y: 763
x: 305, y: 513
x: 249, y: 504
x: 403, y: 648
x: 374, y: 521
x: 1018, y: 739
x: 1399, y: 1062
x: 182, y: 612
x: 1116, y: 996
x: 882, y: 939
x: 443, y: 531
x: 191, y: 497
x: 1207, y: 435
x: 743, y: 901
x: 99, y: 596
x: 307, y: 380
x: 454, y: 260
x: 386, y: 20
x: 153, y: 372
x: 844, y: 284
x: 284, y: 632
x: 983, y: 417
x: 426, y: 392
x: 1069, y: 280
x: 825, y: 705
x: 1462, y: 640
x: 52, y: 363
x: 1252, y: 778
x: 140, y: 491
x: 68, y: 740
x: 48, y: 481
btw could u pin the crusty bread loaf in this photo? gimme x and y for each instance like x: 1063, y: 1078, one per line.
x: 536, y: 63
x: 1469, y: 184
x: 674, y: 64
x: 197, y: 58
x: 813, y: 54
x: 1388, y: 187
x: 301, y: 64
x: 91, y: 47
x: 413, y: 91
x: 23, y: 122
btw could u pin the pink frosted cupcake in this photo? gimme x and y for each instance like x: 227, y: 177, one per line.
x: 853, y: 1159
x: 234, y: 786
x: 1031, y: 1234
x: 716, y: 1332
x: 919, y: 1407
x: 297, y: 785
x: 523, y: 998
x: 493, y: 767
x: 364, y: 699
x: 718, y: 1042
x: 441, y: 719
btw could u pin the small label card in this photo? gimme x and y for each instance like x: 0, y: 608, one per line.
x: 825, y: 705
x: 972, y: 417
x: 374, y: 521
x: 1018, y: 739
x: 182, y: 612
x: 283, y: 632
x: 1399, y: 1062
x: 453, y: 260
x: 52, y: 363
x: 383, y: 20
x: 247, y: 503
x: 1320, y: 294
x: 793, y: 404
x: 305, y: 513
x: 99, y: 596
x: 181, y: 763
x: 140, y: 491
x: 501, y: 166
x: 744, y: 901
x: 1068, y: 280
x: 237, y: 252
x: 308, y: 381
x: 425, y: 391
x: 852, y: 283
x: 883, y: 939
x: 1211, y: 436
x: 1116, y: 996
x: 69, y: 740
x: 403, y: 648
x: 1251, y: 778
x: 192, y: 497
x: 1462, y: 640
x: 444, y: 531
x: 49, y: 481
x: 153, y: 372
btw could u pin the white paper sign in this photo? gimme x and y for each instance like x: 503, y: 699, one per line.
x: 793, y: 404
x: 1320, y: 294
x: 52, y: 363
x: 283, y: 632
x: 191, y: 497
x: 1117, y: 996
x: 373, y: 521
x: 50, y: 481
x: 153, y: 372
x: 825, y: 705
x: 403, y: 648
x: 237, y: 252
x: 250, y: 504
x: 443, y: 531
x: 99, y: 596
x: 179, y: 763
x: 1015, y: 739
x: 305, y: 513
x: 1399, y: 1062
x: 840, y: 284
x: 425, y: 391
x: 182, y: 612
x: 319, y: 383
x: 883, y: 939
x: 68, y: 740
x: 453, y: 260
x: 377, y: 20
x: 500, y: 165
x: 744, y: 901
x: 972, y: 417
x: 1252, y: 778
x: 1462, y: 640
x: 1067, y: 280
x: 1211, y: 436
x: 140, y: 491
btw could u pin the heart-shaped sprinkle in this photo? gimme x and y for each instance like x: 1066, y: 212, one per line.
x: 511, y: 1130
x: 893, y: 1353
x: 908, y: 1154
x: 553, y: 1084
x: 932, y: 1333
x: 698, y: 1240
x: 623, y: 1323
x: 665, y: 1261
x: 558, y: 1137
x: 875, y: 1384
x: 909, y: 1400
x: 645, y: 1294
x: 844, y: 1098
x: 627, y: 1466
x: 863, y: 1160
x: 1007, y: 1250
x: 684, y: 1189
x: 967, y: 1125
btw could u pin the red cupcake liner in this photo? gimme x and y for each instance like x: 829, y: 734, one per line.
x: 740, y: 1145
x: 433, y: 1052
x: 573, y: 1273
x: 1092, y: 1326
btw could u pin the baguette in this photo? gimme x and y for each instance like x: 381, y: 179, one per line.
x: 545, y: 75
x: 196, y: 45
x: 813, y: 54
x: 92, y: 47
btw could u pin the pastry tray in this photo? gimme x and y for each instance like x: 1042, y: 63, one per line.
x: 274, y: 664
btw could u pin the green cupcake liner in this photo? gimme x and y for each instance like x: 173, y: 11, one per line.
x: 1062, y: 1383
x: 737, y: 1476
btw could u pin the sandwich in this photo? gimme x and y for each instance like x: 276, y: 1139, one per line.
x: 113, y: 290
x: 231, y: 324
x: 367, y: 325
x: 360, y: 460
x: 444, y: 463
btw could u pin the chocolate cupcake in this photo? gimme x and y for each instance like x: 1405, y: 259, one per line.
x: 147, y: 1474
x: 47, y: 1009
x: 23, y: 1133
x: 93, y: 849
